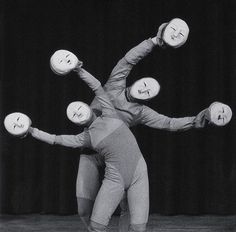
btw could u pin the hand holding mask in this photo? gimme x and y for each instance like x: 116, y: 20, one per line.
x: 62, y: 62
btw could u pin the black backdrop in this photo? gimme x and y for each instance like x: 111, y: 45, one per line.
x: 193, y: 172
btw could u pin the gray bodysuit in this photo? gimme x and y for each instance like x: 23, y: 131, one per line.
x: 125, y: 167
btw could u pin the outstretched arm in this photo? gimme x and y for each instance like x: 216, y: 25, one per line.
x: 74, y: 141
x: 153, y: 119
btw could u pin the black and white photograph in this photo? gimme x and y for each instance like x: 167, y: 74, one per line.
x: 117, y: 115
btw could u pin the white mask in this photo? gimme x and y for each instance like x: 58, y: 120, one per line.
x: 220, y: 114
x: 176, y: 33
x: 63, y: 61
x: 144, y: 88
x: 17, y: 123
x: 79, y: 113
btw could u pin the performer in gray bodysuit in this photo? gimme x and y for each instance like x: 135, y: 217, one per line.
x: 125, y: 167
x: 133, y: 112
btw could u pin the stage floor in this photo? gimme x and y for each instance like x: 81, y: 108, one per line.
x: 157, y: 223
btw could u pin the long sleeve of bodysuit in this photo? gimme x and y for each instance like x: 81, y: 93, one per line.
x: 82, y: 139
x: 74, y: 141
x: 117, y: 79
x: 122, y: 69
x: 153, y: 119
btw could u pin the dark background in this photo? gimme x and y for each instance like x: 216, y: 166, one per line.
x: 192, y: 172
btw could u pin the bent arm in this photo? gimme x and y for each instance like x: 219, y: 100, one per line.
x: 124, y: 66
x: 74, y: 141
x: 153, y: 119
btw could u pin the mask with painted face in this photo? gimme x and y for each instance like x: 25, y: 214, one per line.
x: 63, y: 61
x: 79, y: 113
x: 17, y: 124
x: 144, y: 89
x: 220, y: 114
x: 175, y: 33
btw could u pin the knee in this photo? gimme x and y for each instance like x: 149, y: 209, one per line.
x: 137, y: 227
x: 85, y: 207
x: 97, y: 227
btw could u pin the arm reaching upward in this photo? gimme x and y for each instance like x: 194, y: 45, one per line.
x: 122, y: 69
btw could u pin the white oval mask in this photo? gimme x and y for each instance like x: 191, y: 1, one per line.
x: 17, y: 123
x: 79, y: 113
x: 176, y: 33
x: 145, y: 88
x: 63, y: 61
x: 220, y: 114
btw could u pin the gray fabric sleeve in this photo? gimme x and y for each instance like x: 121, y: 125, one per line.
x: 89, y: 79
x: 117, y: 79
x: 153, y: 119
x: 73, y: 141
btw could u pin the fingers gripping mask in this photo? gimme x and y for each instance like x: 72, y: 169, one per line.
x: 79, y: 113
x: 17, y: 124
x: 63, y: 61
x: 176, y: 33
x: 220, y: 114
x: 144, y: 88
